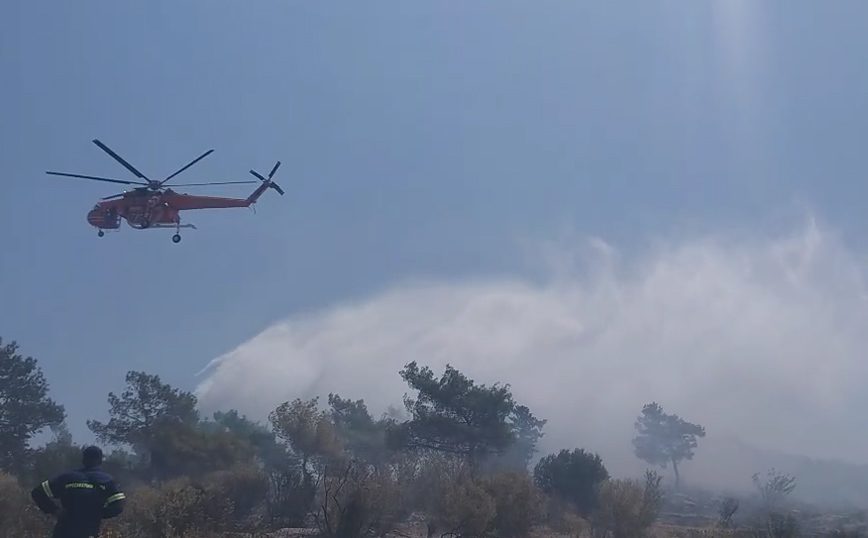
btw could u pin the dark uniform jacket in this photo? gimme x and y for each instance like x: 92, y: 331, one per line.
x: 87, y: 496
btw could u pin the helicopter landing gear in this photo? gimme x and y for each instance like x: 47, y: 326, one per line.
x: 100, y: 233
x: 177, y: 237
x: 145, y: 224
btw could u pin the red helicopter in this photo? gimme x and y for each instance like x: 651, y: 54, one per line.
x: 154, y: 206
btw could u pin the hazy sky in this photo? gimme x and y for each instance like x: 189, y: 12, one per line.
x: 705, y: 157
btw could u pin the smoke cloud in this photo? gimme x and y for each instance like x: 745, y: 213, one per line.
x: 756, y: 337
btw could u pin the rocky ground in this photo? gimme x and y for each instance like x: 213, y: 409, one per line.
x: 699, y: 509
x: 685, y: 515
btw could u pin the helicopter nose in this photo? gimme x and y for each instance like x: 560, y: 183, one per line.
x: 95, y: 217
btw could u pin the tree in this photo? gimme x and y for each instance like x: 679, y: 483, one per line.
x: 57, y: 455
x: 307, y: 430
x: 121, y: 464
x: 572, y: 476
x: 146, y: 403
x: 362, y: 436
x: 312, y: 442
x: 455, y: 415
x: 269, y: 452
x: 181, y: 449
x: 665, y: 438
x: 527, y: 431
x: 25, y: 408
x: 290, y: 490
x: 144, y: 417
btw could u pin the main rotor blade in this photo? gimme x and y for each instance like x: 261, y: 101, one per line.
x: 214, y: 183
x: 113, y: 196
x: 273, y: 170
x: 120, y: 159
x: 97, y: 178
x: 194, y: 161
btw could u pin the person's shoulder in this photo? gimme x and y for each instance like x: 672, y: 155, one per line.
x: 67, y: 476
x: 100, y: 476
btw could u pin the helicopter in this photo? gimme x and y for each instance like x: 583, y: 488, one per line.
x: 155, y: 205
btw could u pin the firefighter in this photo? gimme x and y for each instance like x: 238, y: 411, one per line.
x: 87, y: 496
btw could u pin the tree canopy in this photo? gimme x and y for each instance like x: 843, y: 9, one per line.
x: 144, y: 406
x: 25, y: 407
x: 573, y: 476
x: 455, y: 415
x: 665, y: 438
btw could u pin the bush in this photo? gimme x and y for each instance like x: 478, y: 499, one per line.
x: 422, y: 480
x: 560, y: 516
x: 463, y: 508
x: 356, y: 501
x: 407, y: 470
x: 627, y: 508
x: 771, y: 524
x: 454, y: 500
x: 519, y: 504
x: 575, y: 526
x: 844, y: 533
x: 246, y: 488
x: 291, y: 494
x: 10, y: 501
x: 769, y: 521
x: 727, y: 509
x: 175, y: 508
x: 19, y: 518
x: 572, y: 477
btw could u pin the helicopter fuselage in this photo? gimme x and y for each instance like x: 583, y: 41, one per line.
x: 139, y: 211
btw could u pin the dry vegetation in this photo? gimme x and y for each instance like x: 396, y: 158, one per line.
x: 352, y: 501
x: 462, y: 464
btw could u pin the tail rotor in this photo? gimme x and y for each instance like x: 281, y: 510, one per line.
x: 268, y: 180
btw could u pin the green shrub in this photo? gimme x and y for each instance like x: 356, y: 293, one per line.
x: 572, y: 476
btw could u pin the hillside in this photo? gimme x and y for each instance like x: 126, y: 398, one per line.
x: 727, y: 463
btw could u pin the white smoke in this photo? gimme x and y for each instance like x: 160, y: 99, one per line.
x: 760, y: 337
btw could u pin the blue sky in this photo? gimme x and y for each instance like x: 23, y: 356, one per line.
x: 417, y: 139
